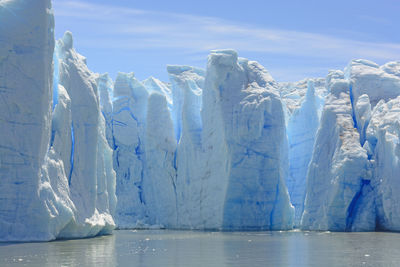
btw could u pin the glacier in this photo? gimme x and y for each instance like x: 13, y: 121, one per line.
x: 349, y: 181
x: 194, y: 166
x: 54, y: 183
x: 222, y: 148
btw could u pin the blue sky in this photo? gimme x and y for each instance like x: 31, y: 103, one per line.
x: 292, y: 39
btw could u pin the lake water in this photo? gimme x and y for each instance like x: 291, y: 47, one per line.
x: 192, y: 248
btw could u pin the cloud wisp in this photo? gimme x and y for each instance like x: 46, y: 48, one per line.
x: 128, y: 28
x: 123, y: 38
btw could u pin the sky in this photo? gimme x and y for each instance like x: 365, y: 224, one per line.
x: 292, y: 39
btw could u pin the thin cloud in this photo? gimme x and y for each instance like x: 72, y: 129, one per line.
x: 129, y: 28
x: 109, y: 27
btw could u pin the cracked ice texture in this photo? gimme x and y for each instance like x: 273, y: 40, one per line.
x: 129, y: 130
x: 357, y: 148
x: 188, y: 83
x: 245, y: 144
x: 105, y: 87
x: 301, y: 129
x: 338, y: 169
x: 160, y: 176
x: 90, y: 178
x: 220, y: 160
x: 211, y: 150
x: 384, y: 132
x: 25, y: 86
x: 36, y: 198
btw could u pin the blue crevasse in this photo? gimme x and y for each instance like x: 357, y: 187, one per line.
x: 224, y: 148
x: 245, y: 161
x: 188, y: 82
x: 129, y: 130
x: 358, y: 193
x: 301, y: 130
x: 37, y: 201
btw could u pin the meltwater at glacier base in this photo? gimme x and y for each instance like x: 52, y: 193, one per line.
x: 221, y: 148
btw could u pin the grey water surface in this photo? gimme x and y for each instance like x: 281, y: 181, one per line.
x: 195, y: 248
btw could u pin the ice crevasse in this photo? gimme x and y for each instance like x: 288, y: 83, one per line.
x: 225, y: 148
x: 251, y: 153
x: 214, y: 159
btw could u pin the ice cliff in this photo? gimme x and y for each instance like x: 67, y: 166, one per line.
x: 214, y: 159
x: 54, y: 183
x: 224, y: 148
x: 353, y: 175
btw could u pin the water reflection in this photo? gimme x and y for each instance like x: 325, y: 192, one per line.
x: 98, y: 251
x: 89, y: 252
x: 265, y: 249
x: 189, y: 248
x: 170, y: 248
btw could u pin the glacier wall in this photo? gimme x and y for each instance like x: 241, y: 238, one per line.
x: 214, y: 158
x: 226, y: 148
x: 54, y: 183
x: 353, y: 175
x: 301, y: 130
x: 338, y: 167
x: 129, y: 129
x: 242, y: 152
x: 188, y: 83
x: 246, y: 131
x: 26, y: 84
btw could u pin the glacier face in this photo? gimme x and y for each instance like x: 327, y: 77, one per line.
x: 129, y: 129
x: 245, y: 133
x: 225, y: 148
x: 160, y: 175
x: 216, y: 159
x: 338, y: 167
x: 354, y: 170
x: 53, y: 183
x: 25, y: 55
x: 188, y: 83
